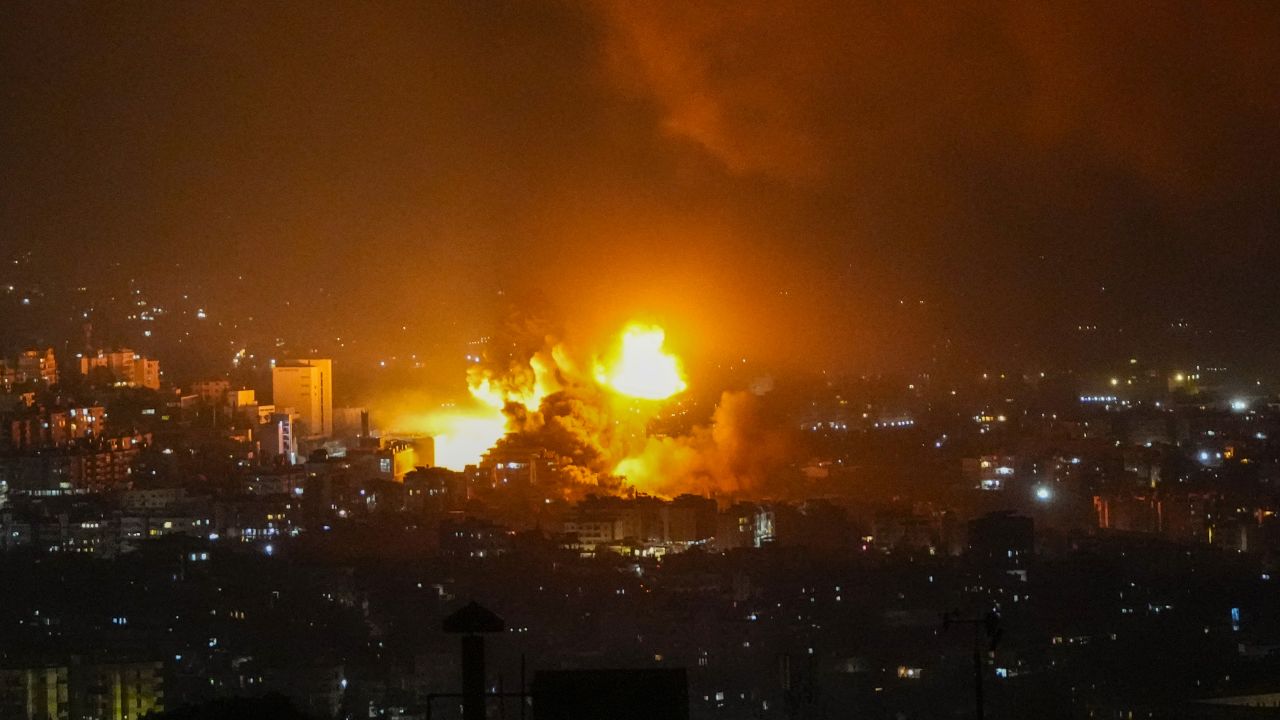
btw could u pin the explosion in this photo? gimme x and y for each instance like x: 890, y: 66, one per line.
x: 463, y: 438
x: 642, y: 369
x: 592, y: 429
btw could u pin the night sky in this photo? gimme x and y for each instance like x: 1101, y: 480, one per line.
x: 814, y: 184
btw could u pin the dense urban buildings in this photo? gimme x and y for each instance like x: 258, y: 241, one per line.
x: 1125, y: 549
x: 122, y: 367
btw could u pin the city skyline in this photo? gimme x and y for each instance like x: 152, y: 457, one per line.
x: 581, y: 359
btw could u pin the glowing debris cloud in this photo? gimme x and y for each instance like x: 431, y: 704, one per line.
x: 642, y: 369
x: 467, y: 439
x: 461, y: 435
x: 587, y: 415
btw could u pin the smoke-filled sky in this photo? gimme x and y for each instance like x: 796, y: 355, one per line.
x: 808, y: 183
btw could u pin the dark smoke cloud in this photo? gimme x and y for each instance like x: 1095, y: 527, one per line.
x: 820, y: 91
x: 779, y: 179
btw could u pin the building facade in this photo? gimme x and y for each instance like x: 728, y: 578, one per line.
x: 127, y: 368
x: 307, y: 387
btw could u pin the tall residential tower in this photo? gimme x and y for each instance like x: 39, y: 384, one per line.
x: 306, y: 386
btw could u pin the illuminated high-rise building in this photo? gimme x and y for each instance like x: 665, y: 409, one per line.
x: 307, y: 387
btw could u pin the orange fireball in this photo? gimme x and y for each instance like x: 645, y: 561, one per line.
x: 641, y: 368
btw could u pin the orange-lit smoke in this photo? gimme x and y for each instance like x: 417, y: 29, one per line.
x: 587, y: 420
x: 596, y: 424
x: 741, y: 453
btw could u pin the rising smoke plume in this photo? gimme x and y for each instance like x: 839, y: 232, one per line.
x: 600, y: 437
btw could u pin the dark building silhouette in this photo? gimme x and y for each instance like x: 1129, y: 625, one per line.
x: 640, y: 694
x: 1001, y: 536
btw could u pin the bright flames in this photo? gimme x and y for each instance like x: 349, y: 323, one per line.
x: 637, y: 368
x: 641, y: 368
x: 467, y: 439
x: 588, y: 416
x: 461, y: 435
